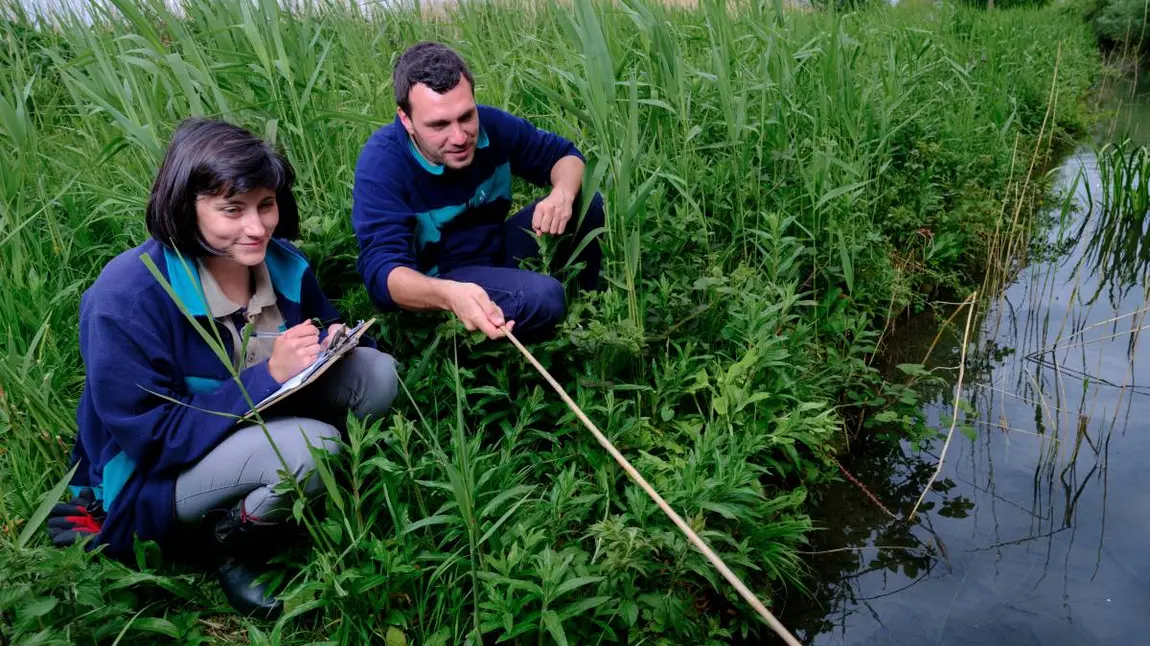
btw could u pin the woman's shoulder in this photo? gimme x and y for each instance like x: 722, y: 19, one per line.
x: 126, y: 279
x: 283, y: 245
x: 289, y: 268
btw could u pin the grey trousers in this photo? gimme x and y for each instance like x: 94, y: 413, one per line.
x: 244, y: 466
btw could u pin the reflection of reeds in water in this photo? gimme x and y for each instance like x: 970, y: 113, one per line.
x: 1062, y: 379
x: 1043, y: 301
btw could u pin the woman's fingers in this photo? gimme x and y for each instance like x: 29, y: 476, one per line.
x: 304, y: 343
x: 302, y: 330
x: 331, y: 330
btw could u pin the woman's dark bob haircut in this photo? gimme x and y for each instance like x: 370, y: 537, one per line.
x: 208, y: 157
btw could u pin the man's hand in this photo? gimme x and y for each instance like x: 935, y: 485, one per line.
x: 553, y: 212
x: 475, y: 308
x: 413, y: 291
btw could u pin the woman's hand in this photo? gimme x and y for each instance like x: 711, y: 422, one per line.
x: 330, y: 332
x: 293, y: 351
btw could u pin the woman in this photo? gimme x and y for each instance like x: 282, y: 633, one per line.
x: 161, y: 454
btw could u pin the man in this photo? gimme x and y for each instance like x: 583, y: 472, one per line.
x: 431, y: 198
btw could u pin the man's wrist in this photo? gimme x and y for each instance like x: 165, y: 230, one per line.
x: 564, y: 194
x: 443, y: 290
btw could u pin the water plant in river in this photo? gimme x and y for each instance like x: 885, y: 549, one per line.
x: 779, y: 185
x: 1116, y: 250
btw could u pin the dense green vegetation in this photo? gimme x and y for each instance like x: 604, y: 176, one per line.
x: 779, y: 186
x: 1118, y: 23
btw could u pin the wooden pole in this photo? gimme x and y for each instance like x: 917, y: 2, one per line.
x: 698, y: 542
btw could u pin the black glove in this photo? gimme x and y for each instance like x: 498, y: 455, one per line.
x: 81, y: 517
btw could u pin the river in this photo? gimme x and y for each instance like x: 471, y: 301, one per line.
x: 1037, y: 530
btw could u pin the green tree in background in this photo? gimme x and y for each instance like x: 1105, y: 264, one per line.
x: 1119, y: 23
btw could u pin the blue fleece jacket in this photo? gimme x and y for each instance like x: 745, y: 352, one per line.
x: 140, y: 353
x: 410, y: 213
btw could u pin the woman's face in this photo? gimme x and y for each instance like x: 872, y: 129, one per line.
x: 241, y: 225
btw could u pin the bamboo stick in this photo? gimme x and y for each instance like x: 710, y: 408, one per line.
x: 698, y: 542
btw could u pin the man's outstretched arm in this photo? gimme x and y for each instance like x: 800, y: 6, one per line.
x: 412, y: 290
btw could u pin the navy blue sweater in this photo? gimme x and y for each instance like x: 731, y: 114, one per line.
x: 410, y: 213
x: 140, y: 352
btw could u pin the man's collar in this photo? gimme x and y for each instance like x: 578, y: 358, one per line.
x: 434, y: 169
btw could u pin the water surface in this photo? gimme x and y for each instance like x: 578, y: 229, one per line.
x: 1038, y: 529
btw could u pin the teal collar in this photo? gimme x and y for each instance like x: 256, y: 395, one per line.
x: 437, y: 169
x: 285, y: 266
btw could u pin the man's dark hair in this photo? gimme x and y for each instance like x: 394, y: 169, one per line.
x: 207, y: 157
x: 433, y: 64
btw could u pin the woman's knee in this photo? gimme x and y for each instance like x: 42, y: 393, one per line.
x: 295, y: 437
x: 298, y: 438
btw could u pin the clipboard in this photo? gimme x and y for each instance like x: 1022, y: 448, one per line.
x: 343, y: 341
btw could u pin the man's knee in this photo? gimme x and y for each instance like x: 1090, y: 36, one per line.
x: 545, y: 304
x: 381, y: 382
x: 594, y: 216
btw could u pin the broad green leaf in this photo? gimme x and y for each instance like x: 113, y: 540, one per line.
x: 431, y: 520
x: 156, y: 625
x: 50, y: 499
x: 577, y: 582
x: 580, y: 607
x: 257, y: 637
x: 914, y: 369
x: 38, y: 608
x: 395, y: 637
x: 554, y: 626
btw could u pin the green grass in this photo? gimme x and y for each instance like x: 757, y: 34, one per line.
x: 779, y: 185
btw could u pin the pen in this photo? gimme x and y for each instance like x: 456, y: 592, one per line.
x: 265, y: 335
x: 271, y: 335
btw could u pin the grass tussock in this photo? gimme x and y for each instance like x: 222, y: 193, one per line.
x: 779, y: 186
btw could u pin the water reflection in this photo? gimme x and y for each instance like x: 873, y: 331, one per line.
x: 1035, y: 531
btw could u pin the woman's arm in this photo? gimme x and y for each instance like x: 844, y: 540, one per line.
x: 139, y: 395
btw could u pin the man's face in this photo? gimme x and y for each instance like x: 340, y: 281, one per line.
x: 445, y: 126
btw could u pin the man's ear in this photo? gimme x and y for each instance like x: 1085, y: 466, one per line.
x: 406, y: 121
